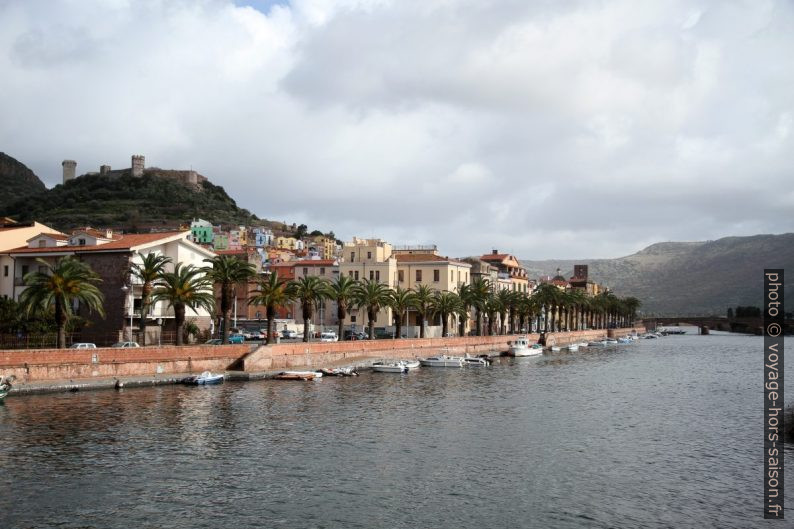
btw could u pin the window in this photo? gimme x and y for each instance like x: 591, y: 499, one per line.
x: 369, y: 255
x: 436, y: 275
x: 24, y: 270
x: 350, y: 273
x: 81, y: 242
x: 352, y: 318
x: 400, y: 276
x: 352, y: 256
x: 5, y: 271
x: 356, y: 277
x: 418, y: 276
x: 305, y: 271
x: 377, y: 275
x: 322, y: 271
x: 458, y: 276
x: 451, y: 276
x: 371, y: 275
x: 42, y: 243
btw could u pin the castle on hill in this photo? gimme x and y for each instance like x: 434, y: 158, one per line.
x: 137, y: 169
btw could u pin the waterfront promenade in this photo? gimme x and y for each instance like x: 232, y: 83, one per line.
x: 63, y: 369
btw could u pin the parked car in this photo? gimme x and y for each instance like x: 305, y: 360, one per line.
x: 289, y: 334
x: 329, y: 336
x: 236, y: 338
x: 83, y: 345
x: 351, y: 335
x: 125, y: 345
x: 214, y: 341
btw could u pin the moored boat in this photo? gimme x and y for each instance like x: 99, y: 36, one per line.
x: 339, y: 371
x: 5, y: 385
x: 555, y: 349
x: 521, y: 347
x: 442, y: 361
x: 573, y: 347
x: 390, y: 367
x: 298, y: 375
x: 476, y: 361
x: 206, y: 378
x: 411, y: 364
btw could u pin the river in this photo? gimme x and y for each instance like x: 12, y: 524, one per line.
x: 659, y: 433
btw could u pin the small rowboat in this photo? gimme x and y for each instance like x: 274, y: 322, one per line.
x: 5, y: 385
x: 390, y: 367
x: 298, y: 375
x: 339, y: 372
x: 204, y: 379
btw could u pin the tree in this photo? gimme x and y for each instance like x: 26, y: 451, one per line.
x: 549, y: 296
x: 480, y: 290
x: 467, y: 299
x: 300, y: 231
x: 400, y: 301
x: 444, y: 304
x: 228, y: 271
x: 506, y: 303
x: 272, y: 294
x: 423, y: 296
x: 187, y: 287
x: 373, y: 296
x: 492, y: 307
x: 730, y: 312
x: 631, y: 304
x: 310, y: 291
x: 341, y: 291
x: 58, y: 287
x: 147, y: 272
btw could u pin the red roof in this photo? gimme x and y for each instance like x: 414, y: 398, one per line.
x: 425, y: 258
x: 120, y: 243
x: 314, y: 262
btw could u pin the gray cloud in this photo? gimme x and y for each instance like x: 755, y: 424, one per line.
x: 547, y: 129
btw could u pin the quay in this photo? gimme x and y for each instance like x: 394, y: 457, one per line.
x: 59, y: 370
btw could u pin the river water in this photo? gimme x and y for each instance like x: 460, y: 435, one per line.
x: 659, y: 433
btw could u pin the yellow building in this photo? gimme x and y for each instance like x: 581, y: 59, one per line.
x: 325, y: 246
x: 15, y: 235
x: 289, y: 243
x: 370, y: 259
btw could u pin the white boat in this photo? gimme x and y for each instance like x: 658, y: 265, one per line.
x: 555, y: 349
x: 298, y: 375
x: 5, y: 385
x: 597, y: 343
x: 520, y: 347
x: 583, y: 344
x: 610, y: 341
x: 411, y: 364
x: 442, y: 361
x: 573, y: 347
x: 476, y: 361
x: 390, y: 367
x: 204, y: 379
x: 349, y: 371
x: 624, y: 340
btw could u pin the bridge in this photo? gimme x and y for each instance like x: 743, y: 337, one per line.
x: 718, y: 323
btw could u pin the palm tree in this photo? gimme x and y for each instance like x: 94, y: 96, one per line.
x: 632, y: 304
x: 467, y: 299
x: 505, y: 298
x: 576, y: 300
x: 58, y: 286
x: 548, y: 295
x: 444, y: 304
x: 228, y: 271
x: 147, y: 272
x: 481, y: 289
x: 492, y: 307
x: 373, y: 296
x: 187, y: 287
x: 272, y: 294
x: 524, y: 307
x: 310, y: 291
x: 342, y: 293
x: 400, y: 301
x: 423, y: 298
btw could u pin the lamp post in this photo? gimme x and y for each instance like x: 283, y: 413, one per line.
x: 124, y: 289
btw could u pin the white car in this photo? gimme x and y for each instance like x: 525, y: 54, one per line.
x: 83, y: 345
x: 125, y: 345
x: 329, y: 336
x: 289, y: 334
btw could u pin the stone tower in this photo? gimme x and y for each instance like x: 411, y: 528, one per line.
x: 104, y: 169
x: 138, y: 163
x: 69, y: 167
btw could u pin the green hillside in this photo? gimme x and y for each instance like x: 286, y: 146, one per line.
x: 17, y: 181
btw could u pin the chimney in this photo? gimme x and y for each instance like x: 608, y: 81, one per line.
x: 69, y: 167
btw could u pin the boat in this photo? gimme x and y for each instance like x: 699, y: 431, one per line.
x: 583, y: 344
x: 5, y: 385
x: 349, y: 371
x: 597, y: 343
x: 573, y: 347
x: 610, y: 341
x: 411, y: 364
x: 521, y: 347
x: 477, y: 361
x: 624, y: 340
x: 204, y: 379
x: 298, y: 375
x: 390, y: 367
x: 650, y: 336
x: 442, y: 361
x: 555, y: 349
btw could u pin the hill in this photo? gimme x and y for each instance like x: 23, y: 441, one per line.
x: 696, y: 278
x: 128, y: 203
x: 16, y: 181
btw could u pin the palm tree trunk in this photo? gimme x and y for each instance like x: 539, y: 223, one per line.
x: 421, y: 325
x: 371, y: 323
x: 179, y: 322
x: 270, y: 311
x: 60, y: 320
x: 226, y: 311
x: 341, y: 313
x: 305, y: 329
x: 479, y: 322
x: 398, y: 326
x: 444, y: 325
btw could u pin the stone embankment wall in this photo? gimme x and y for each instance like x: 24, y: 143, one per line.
x: 37, y: 365
x: 41, y: 365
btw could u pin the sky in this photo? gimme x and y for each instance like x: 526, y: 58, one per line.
x: 546, y: 129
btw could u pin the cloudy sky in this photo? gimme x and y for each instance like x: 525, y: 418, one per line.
x: 544, y: 128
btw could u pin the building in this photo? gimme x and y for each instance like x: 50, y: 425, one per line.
x: 324, y: 247
x: 261, y: 237
x: 137, y: 169
x: 580, y: 281
x: 369, y: 259
x: 202, y: 231
x: 111, y: 255
x: 327, y: 269
x: 14, y: 235
x: 510, y: 272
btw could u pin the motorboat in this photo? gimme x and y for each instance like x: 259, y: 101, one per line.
x: 610, y: 341
x: 555, y: 349
x: 597, y: 343
x: 573, y: 347
x: 411, y: 364
x: 476, y: 361
x: 650, y: 336
x: 298, y: 375
x: 442, y: 361
x: 390, y: 367
x: 521, y: 347
x: 204, y: 379
x: 583, y: 344
x: 5, y: 385
x: 624, y: 340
